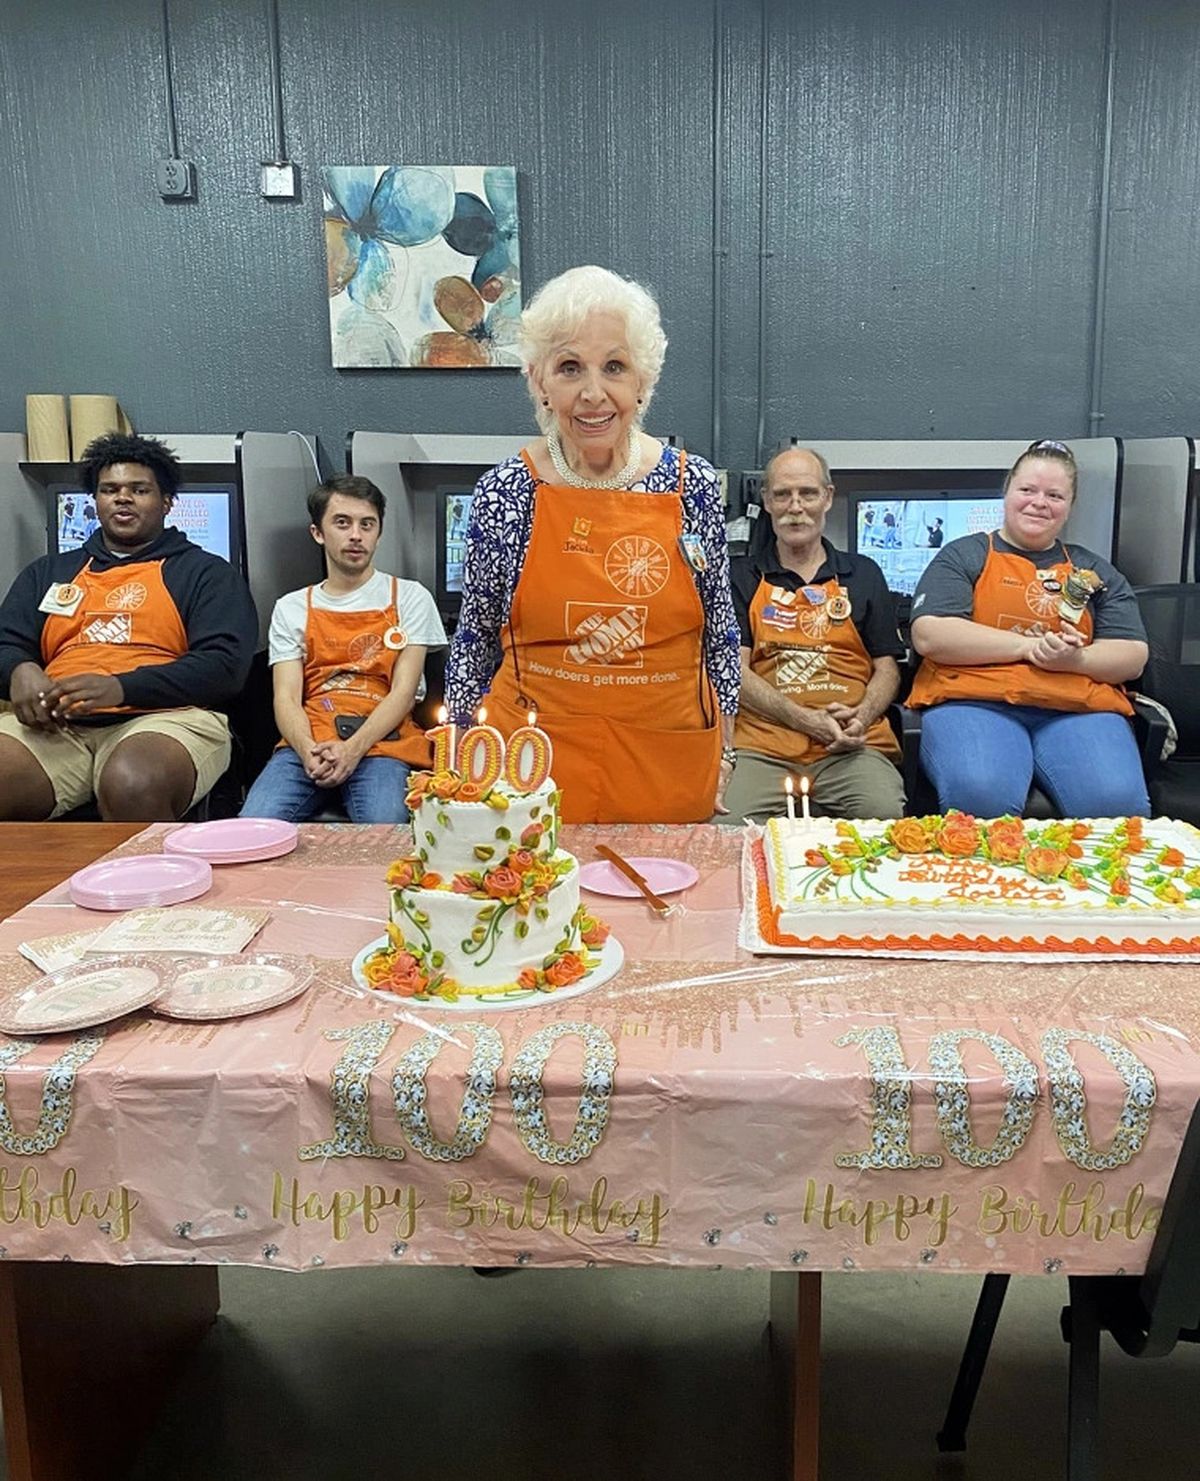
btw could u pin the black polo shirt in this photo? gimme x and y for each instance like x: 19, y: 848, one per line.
x: 872, y: 609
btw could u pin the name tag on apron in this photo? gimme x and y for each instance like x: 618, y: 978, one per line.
x: 62, y: 599
x: 693, y: 552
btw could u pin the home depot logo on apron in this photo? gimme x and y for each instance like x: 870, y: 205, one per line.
x: 348, y: 665
x: 807, y: 646
x: 125, y: 620
x: 1016, y: 596
x: 607, y: 643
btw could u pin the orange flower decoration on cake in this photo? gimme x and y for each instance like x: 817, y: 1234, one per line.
x: 909, y: 836
x: 1006, y: 840
x: 502, y: 883
x: 594, y: 932
x: 1046, y: 863
x: 445, y: 785
x: 469, y: 792
x: 569, y: 968
x: 402, y: 873
x: 958, y: 835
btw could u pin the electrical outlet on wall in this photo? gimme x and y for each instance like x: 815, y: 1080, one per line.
x: 176, y: 179
x: 279, y: 182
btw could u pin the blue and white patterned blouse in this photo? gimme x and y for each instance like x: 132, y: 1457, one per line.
x: 498, y: 538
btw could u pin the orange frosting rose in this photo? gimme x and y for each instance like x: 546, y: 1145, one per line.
x: 430, y: 880
x: 521, y: 860
x: 569, y: 968
x: 1046, y: 863
x: 958, y: 835
x: 594, y: 933
x: 527, y: 978
x: 445, y: 785
x: 469, y: 792
x: 463, y: 884
x: 909, y: 836
x: 532, y: 835
x: 502, y: 883
x: 1006, y: 839
x: 402, y: 873
x: 1172, y: 859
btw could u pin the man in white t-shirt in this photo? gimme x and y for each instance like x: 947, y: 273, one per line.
x: 347, y: 661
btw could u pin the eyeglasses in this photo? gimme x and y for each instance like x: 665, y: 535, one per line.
x: 781, y: 498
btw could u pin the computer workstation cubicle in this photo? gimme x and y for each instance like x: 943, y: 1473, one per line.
x: 428, y: 482
x: 899, y: 502
x: 242, y: 497
x: 1157, y: 537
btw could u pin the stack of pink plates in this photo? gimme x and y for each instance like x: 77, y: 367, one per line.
x: 130, y: 884
x: 233, y: 840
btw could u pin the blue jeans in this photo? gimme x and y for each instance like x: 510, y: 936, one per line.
x: 372, y: 793
x: 982, y: 758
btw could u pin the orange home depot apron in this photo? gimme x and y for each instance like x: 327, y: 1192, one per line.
x: 1016, y: 596
x: 348, y: 666
x: 801, y: 651
x: 605, y: 639
x: 126, y: 620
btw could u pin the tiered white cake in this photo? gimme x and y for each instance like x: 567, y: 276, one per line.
x: 487, y: 904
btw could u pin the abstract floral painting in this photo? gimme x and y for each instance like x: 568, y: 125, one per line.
x: 424, y: 265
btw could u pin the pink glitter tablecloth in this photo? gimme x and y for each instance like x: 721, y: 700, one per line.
x: 706, y: 1107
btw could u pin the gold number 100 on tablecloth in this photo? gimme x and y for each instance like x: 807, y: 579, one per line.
x: 350, y: 1078
x: 892, y: 1083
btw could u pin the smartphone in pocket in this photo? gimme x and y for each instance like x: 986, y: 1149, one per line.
x: 346, y: 725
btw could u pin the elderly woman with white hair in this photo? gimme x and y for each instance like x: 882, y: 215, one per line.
x: 596, y: 584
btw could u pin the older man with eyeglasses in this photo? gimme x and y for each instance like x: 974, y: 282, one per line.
x: 819, y: 650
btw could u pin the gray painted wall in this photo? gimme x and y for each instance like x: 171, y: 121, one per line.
x: 933, y: 176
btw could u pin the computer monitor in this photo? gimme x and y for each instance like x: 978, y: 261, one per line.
x: 453, y: 516
x: 209, y: 514
x: 902, y: 519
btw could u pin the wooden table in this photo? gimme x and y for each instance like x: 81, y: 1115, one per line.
x: 87, y: 1352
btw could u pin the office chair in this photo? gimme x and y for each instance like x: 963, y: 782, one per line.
x: 1146, y: 1315
x: 1172, y: 676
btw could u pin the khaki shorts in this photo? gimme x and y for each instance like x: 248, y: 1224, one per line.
x: 75, y: 756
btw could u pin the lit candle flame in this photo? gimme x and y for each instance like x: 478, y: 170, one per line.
x: 481, y: 715
x: 787, y: 785
x: 532, y: 718
x: 443, y: 714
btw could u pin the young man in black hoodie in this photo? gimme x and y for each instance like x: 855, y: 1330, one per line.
x: 114, y: 657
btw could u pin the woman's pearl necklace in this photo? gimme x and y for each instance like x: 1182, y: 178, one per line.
x: 619, y: 480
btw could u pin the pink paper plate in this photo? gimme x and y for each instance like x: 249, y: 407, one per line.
x: 128, y: 884
x: 664, y: 876
x: 233, y: 840
x: 82, y: 996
